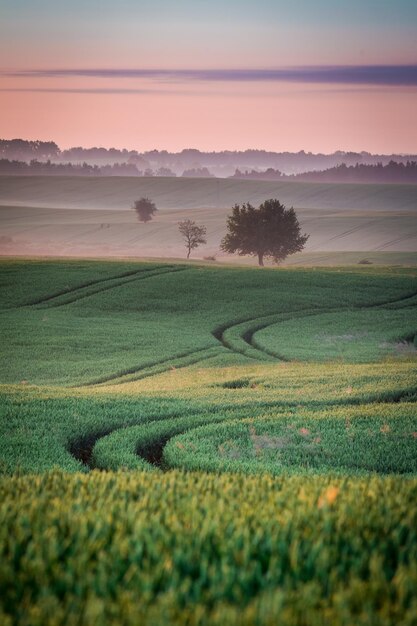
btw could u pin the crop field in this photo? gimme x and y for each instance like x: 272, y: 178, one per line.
x: 192, y: 444
x: 81, y: 217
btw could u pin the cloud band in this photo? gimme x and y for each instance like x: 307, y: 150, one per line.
x: 389, y: 75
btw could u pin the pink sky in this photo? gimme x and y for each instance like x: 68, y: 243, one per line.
x: 221, y: 116
x: 146, y: 112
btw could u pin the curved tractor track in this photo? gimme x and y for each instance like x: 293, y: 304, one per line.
x: 153, y: 368
x: 86, y: 291
x: 141, y: 446
x: 135, y: 447
x: 239, y: 336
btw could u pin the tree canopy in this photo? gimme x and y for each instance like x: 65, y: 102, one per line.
x: 270, y: 231
x: 193, y: 235
x: 145, y: 209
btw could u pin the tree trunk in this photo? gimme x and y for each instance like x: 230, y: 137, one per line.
x: 188, y: 255
x: 261, y: 259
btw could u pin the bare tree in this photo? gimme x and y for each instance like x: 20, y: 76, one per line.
x: 192, y: 234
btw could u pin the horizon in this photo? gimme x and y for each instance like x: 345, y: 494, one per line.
x: 190, y: 148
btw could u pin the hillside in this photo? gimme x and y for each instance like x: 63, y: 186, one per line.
x: 92, y: 217
x: 262, y: 426
x: 174, y: 193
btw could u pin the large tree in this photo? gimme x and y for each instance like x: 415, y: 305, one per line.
x: 145, y: 209
x: 193, y: 235
x: 271, y: 231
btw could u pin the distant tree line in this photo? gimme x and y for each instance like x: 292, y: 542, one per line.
x: 48, y: 168
x: 223, y: 163
x: 21, y: 149
x: 393, y: 172
x: 40, y: 168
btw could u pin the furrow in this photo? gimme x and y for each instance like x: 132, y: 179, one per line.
x: 85, y: 285
x: 245, y: 343
x: 114, y: 284
x: 141, y: 446
x: 153, y: 368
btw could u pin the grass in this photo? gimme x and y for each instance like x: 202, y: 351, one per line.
x: 359, y: 336
x: 139, y: 548
x: 255, y: 463
x: 350, y: 441
x: 119, y: 326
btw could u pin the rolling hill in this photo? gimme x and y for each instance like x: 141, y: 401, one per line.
x: 75, y: 216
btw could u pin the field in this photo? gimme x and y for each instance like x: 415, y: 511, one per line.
x: 82, y: 217
x: 192, y: 444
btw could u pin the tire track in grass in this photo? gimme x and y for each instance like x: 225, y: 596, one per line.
x: 142, y: 443
x: 238, y: 337
x: 407, y: 299
x: 153, y: 368
x: 249, y: 336
x: 245, y: 343
x: 81, y: 447
x: 148, y: 437
x: 248, y: 347
x: 149, y: 440
x: 91, y: 283
x: 140, y: 446
x: 221, y: 333
x: 62, y: 300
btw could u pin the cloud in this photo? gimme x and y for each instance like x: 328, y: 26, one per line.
x: 92, y: 90
x: 389, y: 75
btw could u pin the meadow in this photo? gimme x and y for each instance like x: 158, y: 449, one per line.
x: 192, y: 444
x: 70, y: 216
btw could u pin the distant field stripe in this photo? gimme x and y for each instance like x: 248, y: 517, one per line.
x: 389, y: 243
x: 154, y: 367
x: 344, y: 233
x: 91, y: 291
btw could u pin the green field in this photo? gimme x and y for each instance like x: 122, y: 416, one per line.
x: 193, y: 444
x: 76, y: 216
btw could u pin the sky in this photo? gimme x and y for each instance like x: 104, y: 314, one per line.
x: 314, y: 75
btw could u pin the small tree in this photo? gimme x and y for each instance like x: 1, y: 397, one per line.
x: 192, y: 234
x: 145, y: 209
x: 269, y: 231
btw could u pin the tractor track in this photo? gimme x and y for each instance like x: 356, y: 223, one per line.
x: 92, y: 291
x: 247, y: 344
x: 138, y: 372
x: 149, y: 446
x: 90, y: 283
